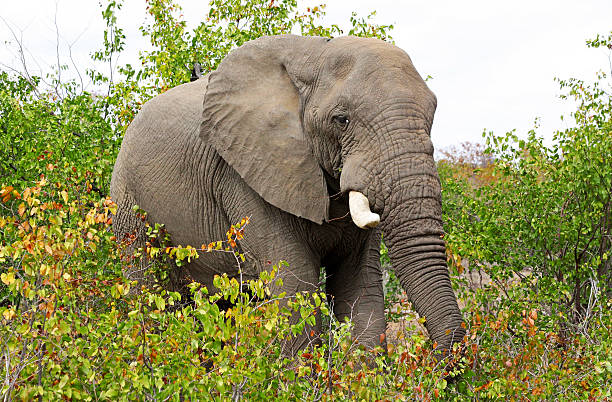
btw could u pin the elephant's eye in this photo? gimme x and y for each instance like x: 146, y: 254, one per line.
x: 341, y: 120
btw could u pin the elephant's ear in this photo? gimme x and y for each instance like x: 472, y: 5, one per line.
x: 252, y: 117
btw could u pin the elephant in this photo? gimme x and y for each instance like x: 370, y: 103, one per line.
x: 324, y: 144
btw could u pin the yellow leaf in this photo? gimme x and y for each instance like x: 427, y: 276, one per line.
x: 21, y: 209
x: 8, y: 314
x: 8, y: 278
x: 64, y: 195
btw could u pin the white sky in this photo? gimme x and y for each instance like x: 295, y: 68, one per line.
x: 492, y: 62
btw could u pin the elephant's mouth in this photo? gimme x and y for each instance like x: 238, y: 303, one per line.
x: 361, y: 214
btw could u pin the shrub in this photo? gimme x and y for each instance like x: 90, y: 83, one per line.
x: 71, y: 328
x: 534, y: 223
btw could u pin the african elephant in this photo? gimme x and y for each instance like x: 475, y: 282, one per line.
x: 301, y: 134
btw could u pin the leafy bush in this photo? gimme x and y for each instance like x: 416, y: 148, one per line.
x: 64, y: 138
x: 534, y: 223
x: 71, y: 328
x: 543, y: 215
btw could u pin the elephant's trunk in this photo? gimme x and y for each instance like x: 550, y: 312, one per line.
x: 401, y: 184
x: 412, y: 227
x: 420, y: 264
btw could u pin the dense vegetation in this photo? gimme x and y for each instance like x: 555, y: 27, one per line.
x: 529, y: 234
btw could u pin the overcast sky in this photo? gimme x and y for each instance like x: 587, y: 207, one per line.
x: 493, y: 63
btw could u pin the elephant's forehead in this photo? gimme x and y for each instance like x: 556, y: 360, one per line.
x: 366, y: 51
x: 360, y: 60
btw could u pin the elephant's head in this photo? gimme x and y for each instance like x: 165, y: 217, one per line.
x: 292, y: 114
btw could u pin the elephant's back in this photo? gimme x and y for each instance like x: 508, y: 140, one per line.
x: 168, y: 120
x: 174, y: 112
x: 157, y: 166
x: 164, y: 127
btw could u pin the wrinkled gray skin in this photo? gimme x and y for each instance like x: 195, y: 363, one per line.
x: 261, y: 137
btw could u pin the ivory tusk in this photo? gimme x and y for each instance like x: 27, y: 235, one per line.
x: 360, y: 211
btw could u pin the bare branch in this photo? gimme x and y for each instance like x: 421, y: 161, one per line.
x: 21, y: 54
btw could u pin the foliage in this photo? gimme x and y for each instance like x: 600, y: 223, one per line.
x: 78, y: 332
x: 228, y: 25
x: 532, y: 225
x: 66, y: 138
x: 543, y: 215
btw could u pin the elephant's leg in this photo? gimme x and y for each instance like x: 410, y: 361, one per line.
x: 301, y: 275
x: 270, y: 240
x: 272, y: 235
x: 355, y: 283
